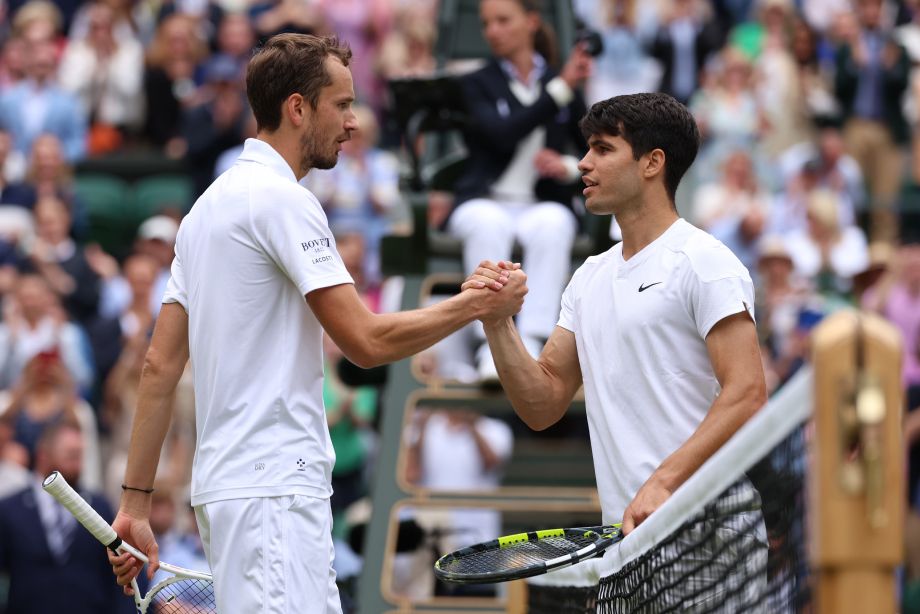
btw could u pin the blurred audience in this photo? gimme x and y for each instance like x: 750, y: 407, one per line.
x: 54, y: 565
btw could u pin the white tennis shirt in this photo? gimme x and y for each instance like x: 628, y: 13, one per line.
x: 640, y: 329
x: 249, y: 250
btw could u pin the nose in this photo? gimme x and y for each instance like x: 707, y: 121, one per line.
x: 584, y: 165
x: 351, y: 122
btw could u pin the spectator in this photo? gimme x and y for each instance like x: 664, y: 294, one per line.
x: 216, y: 124
x: 408, y: 49
x: 104, y: 72
x: 361, y: 193
x: 236, y: 39
x: 39, y: 105
x: 624, y: 67
x: 732, y: 196
x: 13, y: 192
x: 12, y: 62
x: 42, y: 546
x: 34, y: 322
x: 872, y: 75
x: 14, y: 460
x: 728, y: 113
x: 61, y: 262
x: 156, y: 238
x: 272, y: 17
x: 519, y: 180
x: 169, y: 85
x: 822, y: 163
x: 827, y: 252
x: 685, y: 39
x: 176, y: 533
x: 50, y: 176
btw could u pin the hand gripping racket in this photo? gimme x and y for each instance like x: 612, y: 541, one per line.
x: 183, y: 592
x: 525, y: 554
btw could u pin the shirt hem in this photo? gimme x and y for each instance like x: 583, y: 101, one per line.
x: 252, y: 492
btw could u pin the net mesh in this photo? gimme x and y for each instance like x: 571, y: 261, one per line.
x: 184, y: 596
x: 732, y: 539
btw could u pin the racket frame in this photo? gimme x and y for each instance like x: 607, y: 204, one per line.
x: 55, y: 485
x: 606, y: 536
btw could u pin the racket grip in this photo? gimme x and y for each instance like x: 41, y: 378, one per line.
x: 57, y: 487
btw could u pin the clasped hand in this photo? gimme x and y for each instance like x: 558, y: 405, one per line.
x: 503, y: 286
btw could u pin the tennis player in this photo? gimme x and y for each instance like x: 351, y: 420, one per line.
x: 253, y: 246
x: 659, y: 329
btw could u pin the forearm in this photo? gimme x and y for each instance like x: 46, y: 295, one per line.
x: 394, y: 336
x: 538, y: 398
x: 151, y: 423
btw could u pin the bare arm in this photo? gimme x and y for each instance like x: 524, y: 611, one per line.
x: 370, y: 339
x: 163, y: 366
x: 539, y: 390
x: 735, y: 357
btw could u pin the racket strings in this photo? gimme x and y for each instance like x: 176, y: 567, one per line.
x: 186, y: 596
x: 516, y: 556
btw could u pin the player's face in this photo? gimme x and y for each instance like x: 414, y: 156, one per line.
x: 331, y: 123
x: 507, y: 27
x: 611, y: 176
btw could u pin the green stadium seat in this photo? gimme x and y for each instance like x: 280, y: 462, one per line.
x: 107, y: 199
x: 156, y: 193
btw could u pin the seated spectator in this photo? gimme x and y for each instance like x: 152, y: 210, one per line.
x: 156, y: 238
x: 12, y: 169
x: 732, y: 195
x: 818, y: 163
x: 53, y: 564
x: 825, y: 252
x: 39, y: 105
x: 176, y: 531
x: 361, y: 192
x: 520, y: 178
x: 35, y: 322
x: 104, y: 72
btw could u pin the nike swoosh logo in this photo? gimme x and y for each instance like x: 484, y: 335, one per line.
x: 643, y: 288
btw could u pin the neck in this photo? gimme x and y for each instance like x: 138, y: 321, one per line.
x: 523, y: 63
x: 644, y: 224
x: 287, y: 147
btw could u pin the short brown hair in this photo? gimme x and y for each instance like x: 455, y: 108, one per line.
x: 289, y: 64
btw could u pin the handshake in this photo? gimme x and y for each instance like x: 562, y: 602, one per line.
x: 502, y: 287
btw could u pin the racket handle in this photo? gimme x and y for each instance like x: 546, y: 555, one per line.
x: 57, y: 487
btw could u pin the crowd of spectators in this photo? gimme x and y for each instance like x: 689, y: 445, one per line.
x: 809, y: 111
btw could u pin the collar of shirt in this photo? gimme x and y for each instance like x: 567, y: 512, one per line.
x: 539, y: 68
x: 260, y: 152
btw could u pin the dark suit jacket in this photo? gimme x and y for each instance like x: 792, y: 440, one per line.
x: 39, y: 583
x: 893, y: 83
x: 492, y: 136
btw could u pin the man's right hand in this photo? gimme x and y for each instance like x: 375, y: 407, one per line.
x: 502, y: 287
x: 137, y: 532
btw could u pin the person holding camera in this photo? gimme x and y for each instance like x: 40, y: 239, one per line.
x: 518, y: 182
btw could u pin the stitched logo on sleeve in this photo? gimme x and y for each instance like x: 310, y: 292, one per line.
x: 316, y: 245
x: 643, y: 287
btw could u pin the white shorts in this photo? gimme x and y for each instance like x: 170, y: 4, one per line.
x: 270, y: 555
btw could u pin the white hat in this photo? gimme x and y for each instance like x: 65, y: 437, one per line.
x: 160, y: 227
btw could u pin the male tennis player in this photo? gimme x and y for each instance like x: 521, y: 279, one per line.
x: 253, y: 246
x: 659, y: 328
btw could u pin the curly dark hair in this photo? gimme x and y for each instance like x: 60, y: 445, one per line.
x: 647, y: 122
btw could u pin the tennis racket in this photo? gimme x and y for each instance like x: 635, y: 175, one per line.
x: 524, y: 554
x: 183, y: 592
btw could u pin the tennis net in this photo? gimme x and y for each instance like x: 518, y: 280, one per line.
x: 731, y: 539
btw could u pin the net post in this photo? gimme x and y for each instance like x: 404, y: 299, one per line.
x: 857, y: 483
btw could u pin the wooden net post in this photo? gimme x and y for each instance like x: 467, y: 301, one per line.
x: 857, y: 490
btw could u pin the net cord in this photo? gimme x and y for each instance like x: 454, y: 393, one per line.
x: 788, y: 408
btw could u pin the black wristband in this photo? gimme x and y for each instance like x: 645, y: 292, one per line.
x: 144, y: 490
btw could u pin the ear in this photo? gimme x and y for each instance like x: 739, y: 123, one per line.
x: 653, y: 163
x: 295, y: 108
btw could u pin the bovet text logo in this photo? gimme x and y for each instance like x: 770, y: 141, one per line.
x: 317, y: 245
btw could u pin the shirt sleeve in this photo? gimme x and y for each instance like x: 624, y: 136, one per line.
x: 294, y: 233
x: 567, y: 317
x: 721, y: 287
x: 175, y: 287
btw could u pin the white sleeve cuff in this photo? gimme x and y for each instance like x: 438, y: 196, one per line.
x: 571, y: 168
x: 560, y: 92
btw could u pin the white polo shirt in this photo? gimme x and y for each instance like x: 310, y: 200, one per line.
x: 249, y: 250
x: 640, y: 329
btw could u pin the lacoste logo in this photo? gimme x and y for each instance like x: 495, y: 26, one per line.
x: 643, y: 288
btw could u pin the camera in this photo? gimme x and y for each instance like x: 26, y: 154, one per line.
x: 590, y: 40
